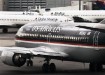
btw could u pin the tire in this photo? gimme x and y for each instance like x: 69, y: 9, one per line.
x: 45, y: 68
x: 5, y: 30
x: 94, y: 67
x: 99, y: 67
x: 52, y: 67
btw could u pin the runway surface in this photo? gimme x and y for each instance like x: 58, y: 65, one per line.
x: 63, y: 68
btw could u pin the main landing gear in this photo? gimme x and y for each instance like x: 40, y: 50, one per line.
x: 5, y: 30
x: 94, y: 67
x: 29, y: 62
x: 48, y: 67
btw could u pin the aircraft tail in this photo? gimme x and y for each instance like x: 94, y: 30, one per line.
x: 102, y: 22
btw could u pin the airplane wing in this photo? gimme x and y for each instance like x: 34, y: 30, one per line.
x: 79, y: 19
x: 96, y: 29
x: 93, y: 26
x: 86, y: 20
x: 38, y: 52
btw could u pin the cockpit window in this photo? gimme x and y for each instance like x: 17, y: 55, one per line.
x: 27, y: 28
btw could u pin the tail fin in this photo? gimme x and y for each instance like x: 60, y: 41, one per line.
x: 102, y: 22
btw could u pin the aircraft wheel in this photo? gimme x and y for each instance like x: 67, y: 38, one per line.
x: 5, y: 30
x: 45, y: 67
x: 92, y: 67
x: 99, y: 67
x: 52, y: 67
x: 95, y: 67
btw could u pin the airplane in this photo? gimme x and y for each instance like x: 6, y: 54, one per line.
x: 89, y: 16
x: 97, y: 26
x: 75, y: 15
x: 15, y: 21
x: 19, y: 13
x: 58, y: 41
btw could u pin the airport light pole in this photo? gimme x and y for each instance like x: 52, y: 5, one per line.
x: 79, y: 4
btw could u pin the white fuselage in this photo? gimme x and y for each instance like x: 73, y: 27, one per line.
x: 91, y: 15
x: 11, y: 20
x: 18, y: 13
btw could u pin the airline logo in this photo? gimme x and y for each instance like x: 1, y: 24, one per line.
x: 42, y: 29
x: 46, y: 19
x: 58, y: 13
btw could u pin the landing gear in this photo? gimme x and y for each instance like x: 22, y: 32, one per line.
x: 95, y: 67
x: 48, y: 67
x: 29, y: 62
x: 5, y: 30
x: 45, y: 67
x: 52, y: 67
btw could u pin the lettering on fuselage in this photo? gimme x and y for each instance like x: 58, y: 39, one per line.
x: 46, y: 19
x: 28, y: 13
x: 46, y: 29
x: 58, y: 13
x: 84, y: 33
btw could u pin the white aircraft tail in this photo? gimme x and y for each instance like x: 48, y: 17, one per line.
x: 36, y: 7
x: 39, y: 7
x: 102, y: 22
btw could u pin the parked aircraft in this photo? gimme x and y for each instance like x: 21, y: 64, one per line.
x: 98, y: 26
x: 80, y: 15
x: 58, y: 41
x: 19, y: 13
x: 74, y: 15
x: 7, y: 21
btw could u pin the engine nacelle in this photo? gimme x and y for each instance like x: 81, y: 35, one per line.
x: 12, y: 59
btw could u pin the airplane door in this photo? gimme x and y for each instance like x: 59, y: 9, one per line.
x: 48, y: 37
x: 95, y: 38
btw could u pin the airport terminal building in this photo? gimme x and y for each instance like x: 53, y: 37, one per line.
x: 23, y: 5
x: 20, y: 5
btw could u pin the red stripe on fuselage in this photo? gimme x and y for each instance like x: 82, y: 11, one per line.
x: 77, y: 44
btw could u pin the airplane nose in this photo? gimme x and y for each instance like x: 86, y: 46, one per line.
x: 20, y: 31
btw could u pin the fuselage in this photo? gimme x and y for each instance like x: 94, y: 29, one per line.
x: 91, y: 15
x: 79, y: 44
x: 18, y: 13
x: 12, y: 20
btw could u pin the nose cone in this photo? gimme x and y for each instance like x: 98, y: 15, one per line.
x: 24, y: 29
x: 20, y: 31
x: 27, y: 29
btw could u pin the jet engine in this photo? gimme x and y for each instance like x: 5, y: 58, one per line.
x: 13, y: 59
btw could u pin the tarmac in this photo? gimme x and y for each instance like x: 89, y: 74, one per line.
x: 63, y: 67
